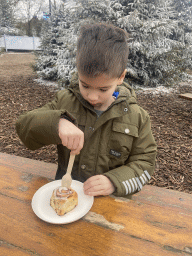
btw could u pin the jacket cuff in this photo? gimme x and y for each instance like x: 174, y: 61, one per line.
x: 69, y: 117
x: 117, y: 179
x: 55, y: 123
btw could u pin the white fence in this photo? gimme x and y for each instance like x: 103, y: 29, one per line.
x: 23, y: 43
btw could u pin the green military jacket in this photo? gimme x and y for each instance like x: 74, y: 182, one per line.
x: 118, y: 144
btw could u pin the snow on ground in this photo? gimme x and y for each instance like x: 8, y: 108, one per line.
x: 2, y: 54
x: 156, y: 90
x: 162, y: 90
x: 53, y: 86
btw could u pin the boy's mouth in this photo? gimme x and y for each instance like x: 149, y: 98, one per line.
x: 96, y: 104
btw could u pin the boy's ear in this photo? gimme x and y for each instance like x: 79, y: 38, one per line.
x: 122, y: 77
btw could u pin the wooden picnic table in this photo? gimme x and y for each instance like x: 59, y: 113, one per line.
x: 156, y: 222
x: 186, y: 96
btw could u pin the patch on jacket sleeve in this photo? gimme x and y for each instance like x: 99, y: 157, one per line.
x: 115, y: 153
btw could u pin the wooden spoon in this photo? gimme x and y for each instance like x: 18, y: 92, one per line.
x: 66, y: 179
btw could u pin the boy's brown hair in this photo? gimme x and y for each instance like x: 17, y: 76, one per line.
x: 102, y: 49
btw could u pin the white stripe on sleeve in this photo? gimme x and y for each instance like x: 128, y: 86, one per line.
x: 141, y: 178
x: 147, y: 174
x: 134, y: 181
x: 131, y: 182
x: 139, y: 183
x: 129, y: 186
x: 143, y: 175
x: 126, y: 188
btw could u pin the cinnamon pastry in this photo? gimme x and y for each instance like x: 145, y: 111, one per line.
x: 63, y: 200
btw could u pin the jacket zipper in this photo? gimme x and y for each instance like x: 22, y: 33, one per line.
x: 97, y: 152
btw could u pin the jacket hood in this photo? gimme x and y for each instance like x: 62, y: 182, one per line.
x: 125, y: 91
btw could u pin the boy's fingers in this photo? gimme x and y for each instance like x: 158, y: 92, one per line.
x: 75, y: 152
x: 81, y: 141
x: 98, y: 193
x: 95, y: 187
x: 71, y: 142
x: 92, y: 183
x: 71, y: 136
x: 64, y: 141
x: 75, y: 143
x: 98, y: 185
x: 92, y: 180
x: 78, y: 145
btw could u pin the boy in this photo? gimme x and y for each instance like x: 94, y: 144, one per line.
x: 97, y: 118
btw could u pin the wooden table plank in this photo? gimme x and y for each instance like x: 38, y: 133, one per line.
x: 149, y: 194
x: 174, y: 200
x: 187, y: 96
x: 10, y: 249
x: 148, y: 225
x: 21, y: 228
x: 27, y: 165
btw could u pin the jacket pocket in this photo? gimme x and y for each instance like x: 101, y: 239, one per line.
x: 120, y: 143
x: 126, y: 129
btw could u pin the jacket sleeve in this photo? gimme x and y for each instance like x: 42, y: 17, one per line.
x: 39, y: 127
x: 139, y: 167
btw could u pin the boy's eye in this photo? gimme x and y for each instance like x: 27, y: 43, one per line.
x: 85, y: 86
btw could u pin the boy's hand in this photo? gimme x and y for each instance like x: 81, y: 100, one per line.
x: 98, y: 185
x: 71, y: 136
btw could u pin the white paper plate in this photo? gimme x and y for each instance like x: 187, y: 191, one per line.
x: 41, y: 203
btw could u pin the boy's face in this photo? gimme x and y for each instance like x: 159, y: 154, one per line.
x: 98, y: 91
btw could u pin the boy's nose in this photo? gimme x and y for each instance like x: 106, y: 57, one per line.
x: 92, y: 97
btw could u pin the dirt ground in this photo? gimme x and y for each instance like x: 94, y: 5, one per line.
x: 170, y: 115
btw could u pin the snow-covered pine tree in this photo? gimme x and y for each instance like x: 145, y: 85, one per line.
x: 6, y: 17
x: 57, y: 60
x: 184, y: 10
x: 155, y: 57
x: 66, y: 45
x: 157, y: 44
x: 57, y: 43
x: 46, y: 60
x: 72, y: 18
